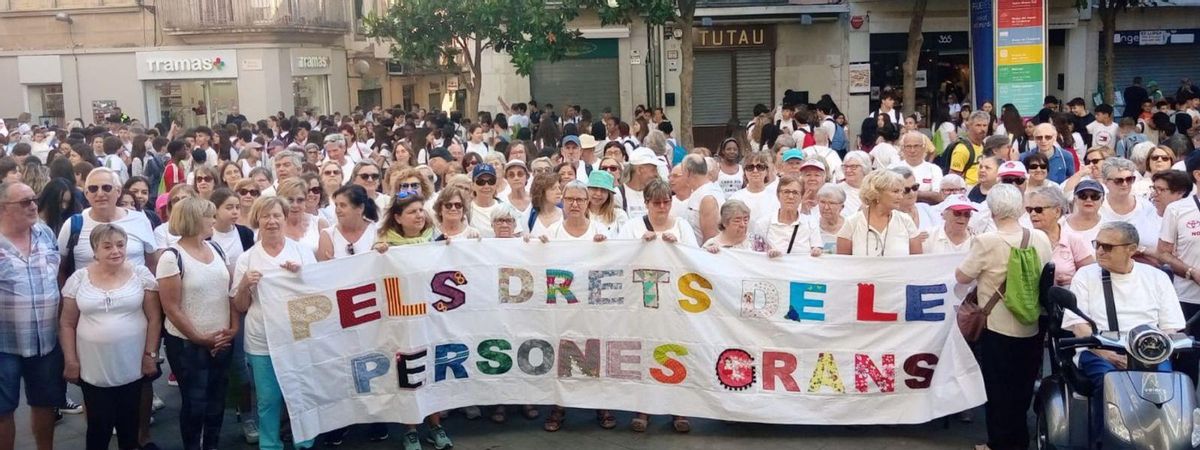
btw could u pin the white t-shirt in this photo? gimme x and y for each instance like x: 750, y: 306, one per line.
x: 693, y: 204
x: 1104, y: 135
x: 1178, y: 229
x: 257, y: 259
x: 611, y: 229
x: 163, y: 236
x: 558, y: 232
x: 884, y: 155
x: 114, y: 162
x: 762, y: 204
x: 891, y: 241
x: 111, y: 334
x: 833, y: 162
x: 853, y: 199
x: 634, y: 229
x: 230, y: 243
x: 635, y: 203
x: 939, y: 242
x: 730, y: 183
x: 139, y: 243
x: 481, y: 218
x: 801, y: 235
x: 1144, y: 217
x: 1143, y: 296
x: 927, y: 174
x: 480, y: 149
x: 205, y: 298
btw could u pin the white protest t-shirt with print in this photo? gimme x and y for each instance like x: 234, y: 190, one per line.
x: 257, y: 259
x: 927, y: 174
x: 1181, y: 227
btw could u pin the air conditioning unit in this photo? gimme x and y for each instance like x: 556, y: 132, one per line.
x: 395, y: 68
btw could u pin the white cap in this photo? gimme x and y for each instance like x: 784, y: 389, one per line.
x: 643, y: 155
x: 959, y: 203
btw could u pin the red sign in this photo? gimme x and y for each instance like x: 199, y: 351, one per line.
x: 857, y: 22
x: 1019, y: 13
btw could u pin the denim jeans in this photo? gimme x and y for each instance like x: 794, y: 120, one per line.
x: 203, y: 379
x: 1094, y: 367
x: 270, y: 404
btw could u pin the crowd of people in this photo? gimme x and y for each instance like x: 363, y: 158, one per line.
x: 123, y: 245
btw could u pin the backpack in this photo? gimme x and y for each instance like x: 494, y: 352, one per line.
x: 1126, y: 144
x: 67, y: 266
x: 179, y: 258
x: 1023, y: 281
x: 943, y: 159
x: 838, y: 141
x: 153, y: 171
x: 808, y: 140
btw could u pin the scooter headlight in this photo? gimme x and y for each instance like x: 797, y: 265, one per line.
x: 1149, y: 346
x: 1196, y: 427
x: 1116, y: 425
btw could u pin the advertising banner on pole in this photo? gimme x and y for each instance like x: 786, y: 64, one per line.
x: 1020, y: 54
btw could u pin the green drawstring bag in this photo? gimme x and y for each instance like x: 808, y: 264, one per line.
x: 1021, y: 287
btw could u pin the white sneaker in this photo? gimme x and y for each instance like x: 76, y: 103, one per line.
x: 70, y: 407
x: 250, y: 431
x: 157, y: 403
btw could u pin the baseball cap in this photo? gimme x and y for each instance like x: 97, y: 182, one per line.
x: 335, y: 137
x: 587, y: 141
x: 571, y: 138
x: 1089, y: 185
x: 440, y: 152
x: 516, y: 163
x: 602, y: 180
x: 792, y: 153
x: 643, y: 155
x: 483, y: 169
x: 959, y: 203
x: 1013, y: 169
x: 813, y: 162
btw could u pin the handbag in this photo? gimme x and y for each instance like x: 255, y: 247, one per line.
x: 971, y: 318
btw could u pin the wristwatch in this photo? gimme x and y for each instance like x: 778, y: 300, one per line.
x: 152, y: 355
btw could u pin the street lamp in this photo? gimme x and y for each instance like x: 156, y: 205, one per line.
x: 64, y: 17
x: 70, y: 21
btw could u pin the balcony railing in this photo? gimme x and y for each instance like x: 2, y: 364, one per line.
x: 254, y: 16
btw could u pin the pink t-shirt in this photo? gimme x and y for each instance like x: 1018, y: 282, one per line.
x: 1068, y: 255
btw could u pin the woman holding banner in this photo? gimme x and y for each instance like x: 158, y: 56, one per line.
x: 576, y: 225
x: 1010, y: 352
x: 756, y: 193
x: 450, y: 211
x: 735, y: 230
x: 355, y: 230
x: 546, y: 192
x: 881, y: 229
x: 658, y: 221
x: 274, y: 255
x: 787, y: 230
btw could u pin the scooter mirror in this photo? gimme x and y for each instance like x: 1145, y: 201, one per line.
x: 1065, y: 299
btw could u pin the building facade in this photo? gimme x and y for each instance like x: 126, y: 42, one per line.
x: 190, y: 61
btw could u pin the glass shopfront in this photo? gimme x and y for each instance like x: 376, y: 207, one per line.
x: 311, y: 94
x: 191, y: 102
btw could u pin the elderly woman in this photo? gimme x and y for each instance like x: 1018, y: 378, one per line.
x: 331, y: 176
x: 953, y: 184
x: 450, y: 211
x: 1039, y: 171
x: 518, y: 151
x: 194, y: 284
x: 504, y: 226
x: 262, y: 178
x: 355, y: 230
x: 1046, y: 207
x: 540, y: 165
x: 109, y: 330
x: 880, y: 229
x: 274, y: 255
x: 315, y: 201
x: 247, y: 192
x: 517, y: 177
x: 954, y: 235
x: 922, y: 214
x: 831, y: 199
x: 755, y: 194
x: 368, y: 175
x: 545, y: 193
x: 659, y: 222
x: 302, y: 227
x: 1009, y: 352
x: 1158, y: 159
x: 787, y: 231
x: 1085, y: 219
x: 855, y: 166
x: 602, y: 202
x: 735, y: 230
x: 1120, y: 205
x: 575, y: 225
x: 1169, y: 186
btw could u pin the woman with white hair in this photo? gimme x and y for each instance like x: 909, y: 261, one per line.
x: 1010, y: 352
x: 954, y: 235
x: 880, y: 229
x: 1120, y: 205
x: 734, y: 229
x: 831, y: 200
x: 855, y: 166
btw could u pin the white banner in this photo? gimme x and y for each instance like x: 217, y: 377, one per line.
x: 624, y: 325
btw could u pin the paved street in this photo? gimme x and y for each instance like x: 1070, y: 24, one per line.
x: 579, y: 432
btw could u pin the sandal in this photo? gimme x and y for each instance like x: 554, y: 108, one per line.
x: 530, y: 412
x: 607, y: 421
x: 639, y: 423
x: 554, y: 421
x: 681, y: 424
x: 498, y: 416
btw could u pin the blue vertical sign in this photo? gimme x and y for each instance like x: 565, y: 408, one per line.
x: 982, y: 51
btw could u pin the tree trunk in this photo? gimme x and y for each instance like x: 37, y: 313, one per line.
x: 687, y: 16
x: 1108, y: 18
x: 475, y: 84
x: 913, y: 57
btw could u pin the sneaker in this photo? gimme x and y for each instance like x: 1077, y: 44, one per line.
x: 336, y: 437
x: 70, y: 407
x: 377, y: 432
x: 437, y: 437
x: 157, y: 404
x: 250, y: 431
x: 171, y: 381
x: 472, y: 412
x: 412, y: 441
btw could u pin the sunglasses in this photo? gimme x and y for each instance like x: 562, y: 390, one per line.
x: 204, y: 179
x: 1044, y: 138
x: 1093, y: 162
x: 315, y: 190
x: 1038, y: 167
x: 332, y: 173
x: 610, y: 168
x: 100, y: 187
x: 1108, y: 247
x: 1037, y: 209
x: 1013, y: 180
x: 453, y: 205
x: 368, y: 176
x: 1093, y: 196
x: 23, y: 203
x: 1123, y: 181
x: 1163, y: 158
x: 756, y: 167
x: 350, y: 249
x: 911, y: 189
x: 485, y: 181
x: 410, y: 186
x: 250, y: 192
x: 961, y: 213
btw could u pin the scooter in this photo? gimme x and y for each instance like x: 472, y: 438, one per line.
x: 1144, y: 409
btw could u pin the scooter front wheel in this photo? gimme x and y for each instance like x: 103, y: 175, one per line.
x: 1043, y: 433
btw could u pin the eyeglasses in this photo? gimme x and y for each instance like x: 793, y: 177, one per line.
x: 453, y: 205
x: 846, y: 167
x: 1092, y: 195
x: 789, y: 192
x: 610, y: 168
x: 1108, y: 247
x: 541, y: 170
x: 911, y: 189
x: 504, y: 221
x: 1122, y: 181
x: 1037, y: 167
x: 1093, y: 162
x: 1037, y: 209
x: 485, y: 181
x: 24, y: 203
x: 1013, y: 180
x: 756, y: 167
x: 660, y: 203
x: 574, y: 200
x: 1044, y: 137
x: 250, y: 192
x: 1163, y: 158
x: 368, y: 176
x: 961, y: 213
x: 100, y: 187
x: 410, y: 186
x: 315, y: 190
x: 332, y: 173
x: 204, y: 179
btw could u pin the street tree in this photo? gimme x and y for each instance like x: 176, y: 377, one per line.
x: 912, y: 59
x: 1108, y: 10
x: 452, y: 35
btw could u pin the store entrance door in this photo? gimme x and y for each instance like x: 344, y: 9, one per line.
x: 190, y: 102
